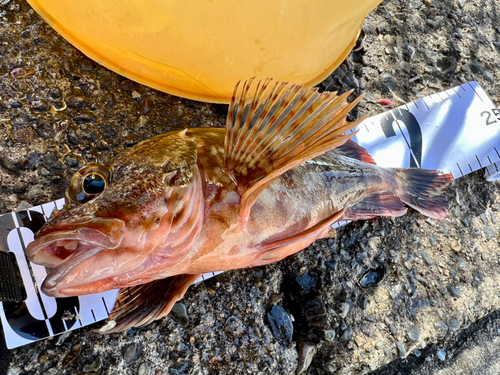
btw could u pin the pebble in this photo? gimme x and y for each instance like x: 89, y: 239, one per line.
x: 413, y: 333
x: 45, y: 172
x: 388, y: 83
x: 306, y: 280
x: 314, y: 309
x: 344, y: 309
x: 306, y: 351
x: 427, y: 257
x: 392, y: 329
x: 143, y: 368
x: 275, y: 298
x: 23, y: 205
x: 454, y: 325
x: 406, y: 66
x: 71, y: 355
x: 372, y: 277
x: 131, y: 352
x: 55, y: 93
x: 394, y: 290
x: 51, y: 162
x: 22, y: 72
x: 430, y: 56
x: 179, y: 313
x: 329, y: 335
x: 441, y: 326
x: 42, y: 358
x: 347, y: 334
x: 281, y: 324
x: 489, y: 233
x: 345, y: 255
x: 19, y: 187
x: 477, y: 68
x: 72, y: 162
x: 333, y: 264
x: 455, y: 246
x: 454, y: 291
x: 441, y: 354
x: 94, y: 366
x: 401, y: 349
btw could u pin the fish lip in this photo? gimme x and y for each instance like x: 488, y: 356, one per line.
x: 48, y: 248
x: 51, y: 286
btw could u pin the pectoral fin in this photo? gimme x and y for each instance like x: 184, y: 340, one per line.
x: 273, y: 127
x: 142, y: 304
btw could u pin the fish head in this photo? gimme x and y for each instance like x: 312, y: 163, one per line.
x: 123, y: 224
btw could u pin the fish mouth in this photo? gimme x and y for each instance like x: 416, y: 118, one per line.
x: 53, y: 245
x: 67, y: 251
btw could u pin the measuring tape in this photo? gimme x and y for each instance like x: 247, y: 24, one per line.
x: 456, y: 131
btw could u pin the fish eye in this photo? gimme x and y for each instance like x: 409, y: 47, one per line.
x: 88, y: 183
x: 93, y: 184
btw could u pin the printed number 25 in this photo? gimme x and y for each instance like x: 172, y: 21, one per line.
x: 495, y: 113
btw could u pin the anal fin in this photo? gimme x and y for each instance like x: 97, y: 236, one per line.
x: 140, y: 305
x: 383, y: 203
x: 309, y: 233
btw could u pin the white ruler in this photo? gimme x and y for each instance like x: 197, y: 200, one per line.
x: 456, y: 131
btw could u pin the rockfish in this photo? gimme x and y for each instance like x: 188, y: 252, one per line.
x: 193, y: 201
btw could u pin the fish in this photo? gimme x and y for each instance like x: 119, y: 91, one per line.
x: 198, y: 200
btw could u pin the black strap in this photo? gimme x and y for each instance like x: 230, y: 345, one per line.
x: 11, y: 285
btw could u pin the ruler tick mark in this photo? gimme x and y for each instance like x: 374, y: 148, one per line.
x: 456, y: 92
x: 475, y: 92
x: 105, y: 305
x: 477, y: 161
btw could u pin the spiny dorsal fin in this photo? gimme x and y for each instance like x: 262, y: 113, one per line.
x: 273, y: 127
x: 355, y: 151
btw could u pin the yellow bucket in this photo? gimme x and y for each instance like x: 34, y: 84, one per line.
x: 199, y: 49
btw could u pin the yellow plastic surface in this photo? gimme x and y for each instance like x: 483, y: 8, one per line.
x: 199, y: 49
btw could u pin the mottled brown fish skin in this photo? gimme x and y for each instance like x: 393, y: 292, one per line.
x: 201, y: 200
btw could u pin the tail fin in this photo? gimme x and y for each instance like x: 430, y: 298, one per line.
x: 422, y: 189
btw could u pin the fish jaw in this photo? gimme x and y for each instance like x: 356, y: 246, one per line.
x: 54, y: 244
x: 96, y: 270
